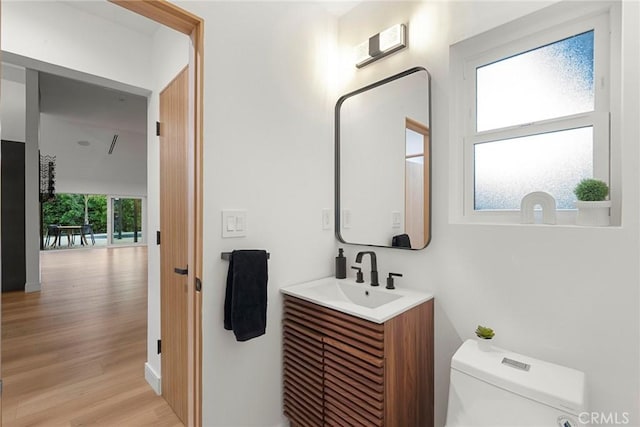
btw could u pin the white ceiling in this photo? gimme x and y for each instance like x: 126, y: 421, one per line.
x: 119, y: 15
x: 115, y: 13
x: 339, y: 8
x: 87, y: 104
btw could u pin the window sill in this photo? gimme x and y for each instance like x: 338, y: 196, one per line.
x: 559, y: 226
x: 564, y: 219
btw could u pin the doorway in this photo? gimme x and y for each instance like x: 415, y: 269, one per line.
x: 417, y: 183
x: 180, y: 20
x: 185, y: 22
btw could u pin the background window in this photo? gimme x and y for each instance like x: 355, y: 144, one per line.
x: 551, y: 81
x: 536, y: 116
x: 508, y: 170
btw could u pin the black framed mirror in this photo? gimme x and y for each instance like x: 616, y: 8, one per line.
x: 383, y: 162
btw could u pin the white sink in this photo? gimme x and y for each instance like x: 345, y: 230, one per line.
x: 376, y: 304
x: 364, y: 296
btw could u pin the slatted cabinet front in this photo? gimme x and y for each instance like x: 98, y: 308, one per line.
x: 303, y: 375
x: 351, y: 369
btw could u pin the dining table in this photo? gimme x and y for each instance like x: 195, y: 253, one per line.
x: 69, y: 230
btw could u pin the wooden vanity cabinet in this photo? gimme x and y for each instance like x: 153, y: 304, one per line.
x: 341, y: 370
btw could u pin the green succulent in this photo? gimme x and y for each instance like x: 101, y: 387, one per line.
x: 484, y: 332
x: 591, y: 190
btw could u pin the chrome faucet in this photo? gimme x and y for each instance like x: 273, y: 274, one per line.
x: 374, y: 266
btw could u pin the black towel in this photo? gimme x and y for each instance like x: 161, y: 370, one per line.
x: 245, y: 303
x: 401, y: 241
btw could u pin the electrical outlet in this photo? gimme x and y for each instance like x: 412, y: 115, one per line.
x: 346, y: 218
x: 396, y: 219
x: 326, y: 219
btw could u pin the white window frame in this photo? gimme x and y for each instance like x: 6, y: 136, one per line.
x: 511, y: 39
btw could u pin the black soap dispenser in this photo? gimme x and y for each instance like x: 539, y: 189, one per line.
x: 341, y: 265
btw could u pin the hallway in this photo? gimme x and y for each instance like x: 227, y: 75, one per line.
x: 74, y: 353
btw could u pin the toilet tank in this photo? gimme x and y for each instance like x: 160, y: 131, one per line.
x: 500, y: 388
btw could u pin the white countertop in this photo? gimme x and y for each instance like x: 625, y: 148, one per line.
x: 349, y: 297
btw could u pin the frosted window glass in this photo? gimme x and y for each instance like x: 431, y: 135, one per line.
x: 551, y: 81
x: 507, y: 170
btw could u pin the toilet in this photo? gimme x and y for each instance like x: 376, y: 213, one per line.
x: 495, y: 387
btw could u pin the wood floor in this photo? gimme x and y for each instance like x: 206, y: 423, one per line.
x: 73, y: 354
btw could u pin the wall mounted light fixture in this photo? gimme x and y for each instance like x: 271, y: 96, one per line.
x: 380, y: 45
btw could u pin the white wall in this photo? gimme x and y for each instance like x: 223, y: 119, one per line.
x: 32, y: 182
x: 58, y: 34
x: 13, y: 103
x: 268, y: 149
x: 535, y: 285
x: 170, y: 54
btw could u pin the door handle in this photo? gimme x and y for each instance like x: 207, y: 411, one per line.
x: 181, y: 271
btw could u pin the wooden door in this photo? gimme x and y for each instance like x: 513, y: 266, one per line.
x: 174, y: 242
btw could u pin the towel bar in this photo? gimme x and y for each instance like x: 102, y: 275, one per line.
x: 226, y: 255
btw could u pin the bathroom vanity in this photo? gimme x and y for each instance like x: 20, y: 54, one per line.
x: 357, y: 355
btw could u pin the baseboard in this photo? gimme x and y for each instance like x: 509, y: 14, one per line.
x: 153, y: 379
x: 32, y: 287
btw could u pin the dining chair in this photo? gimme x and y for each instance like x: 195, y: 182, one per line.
x: 88, y: 229
x: 53, y: 235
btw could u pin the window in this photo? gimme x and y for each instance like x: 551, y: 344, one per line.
x: 535, y: 111
x: 550, y: 81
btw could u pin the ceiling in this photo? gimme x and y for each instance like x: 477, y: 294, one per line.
x: 87, y: 104
x: 340, y: 7
x: 115, y: 13
x: 121, y: 16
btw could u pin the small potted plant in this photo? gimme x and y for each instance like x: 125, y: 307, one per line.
x: 593, y: 209
x: 484, y: 335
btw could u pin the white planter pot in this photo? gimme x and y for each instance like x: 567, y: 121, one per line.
x: 595, y: 214
x: 484, y: 344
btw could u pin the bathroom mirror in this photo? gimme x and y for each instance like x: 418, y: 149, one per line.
x: 383, y: 162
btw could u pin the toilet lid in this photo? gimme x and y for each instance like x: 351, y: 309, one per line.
x: 557, y: 386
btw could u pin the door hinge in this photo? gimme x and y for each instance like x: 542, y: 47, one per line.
x: 198, y: 284
x: 157, y: 128
x: 0, y: 388
x: 158, y: 237
x: 159, y: 346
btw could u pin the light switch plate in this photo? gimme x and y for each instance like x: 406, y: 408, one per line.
x: 234, y: 223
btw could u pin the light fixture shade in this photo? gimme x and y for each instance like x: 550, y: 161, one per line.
x: 380, y: 45
x: 361, y: 52
x: 392, y: 38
